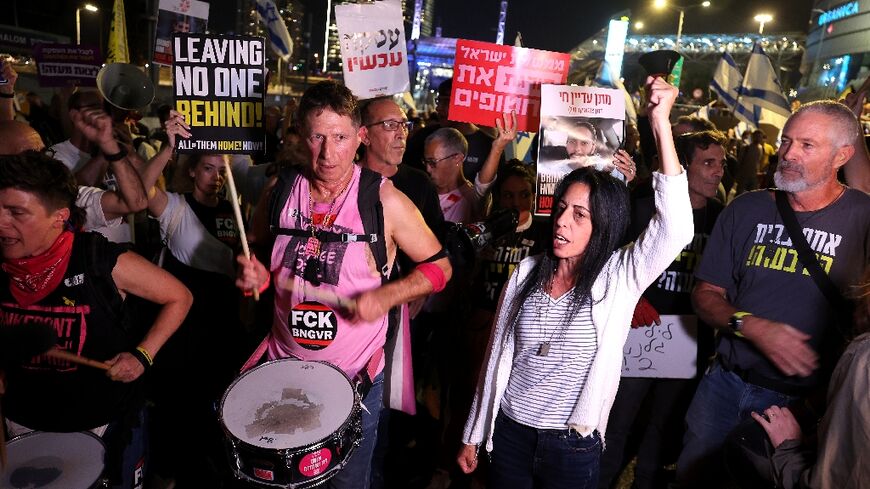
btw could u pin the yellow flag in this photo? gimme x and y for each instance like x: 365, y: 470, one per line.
x: 118, y: 52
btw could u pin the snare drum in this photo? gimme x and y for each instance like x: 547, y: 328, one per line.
x: 290, y: 423
x: 54, y: 461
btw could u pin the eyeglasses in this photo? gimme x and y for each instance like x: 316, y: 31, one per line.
x: 391, y: 125
x: 431, y: 162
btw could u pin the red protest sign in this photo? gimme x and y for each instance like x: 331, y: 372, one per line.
x: 491, y: 79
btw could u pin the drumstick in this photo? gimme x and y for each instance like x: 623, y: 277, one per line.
x: 234, y: 199
x: 328, y: 298
x: 73, y: 358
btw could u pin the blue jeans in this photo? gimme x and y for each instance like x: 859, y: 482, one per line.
x: 526, y: 458
x: 133, y: 460
x: 357, y: 472
x: 722, y: 401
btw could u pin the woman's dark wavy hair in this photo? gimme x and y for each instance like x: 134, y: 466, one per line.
x: 50, y: 180
x: 609, y: 206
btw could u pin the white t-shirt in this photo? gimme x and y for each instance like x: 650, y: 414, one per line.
x: 69, y: 155
x: 115, y: 230
x: 189, y: 241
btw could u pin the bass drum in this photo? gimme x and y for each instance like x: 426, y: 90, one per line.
x: 290, y: 423
x: 54, y: 461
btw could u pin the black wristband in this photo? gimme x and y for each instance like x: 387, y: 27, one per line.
x: 7, y: 95
x: 117, y: 156
x: 141, y: 357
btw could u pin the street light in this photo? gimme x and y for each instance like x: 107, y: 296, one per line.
x: 89, y: 8
x: 762, y: 19
x: 661, y: 4
x: 638, y: 25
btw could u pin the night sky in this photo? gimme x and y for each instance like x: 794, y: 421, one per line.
x: 557, y: 25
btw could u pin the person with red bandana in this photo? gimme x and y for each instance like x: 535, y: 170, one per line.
x: 80, y: 284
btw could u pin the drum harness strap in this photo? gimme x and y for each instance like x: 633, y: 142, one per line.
x: 372, y: 214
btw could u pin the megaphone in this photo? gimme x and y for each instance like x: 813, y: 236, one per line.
x: 125, y: 86
x: 659, y: 63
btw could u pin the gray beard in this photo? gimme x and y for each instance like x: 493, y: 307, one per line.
x: 793, y: 187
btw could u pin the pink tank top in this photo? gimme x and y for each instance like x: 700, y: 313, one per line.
x: 303, y: 327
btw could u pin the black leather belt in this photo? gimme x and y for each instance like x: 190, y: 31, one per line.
x: 751, y: 377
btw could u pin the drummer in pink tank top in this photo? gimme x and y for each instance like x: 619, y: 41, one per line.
x: 324, y: 197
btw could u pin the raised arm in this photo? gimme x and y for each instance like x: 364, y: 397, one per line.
x: 507, y: 132
x: 7, y: 91
x: 857, y: 169
x: 661, y: 99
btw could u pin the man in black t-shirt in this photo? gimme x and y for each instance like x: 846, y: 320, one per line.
x: 385, y: 137
x: 703, y: 155
x: 751, y: 285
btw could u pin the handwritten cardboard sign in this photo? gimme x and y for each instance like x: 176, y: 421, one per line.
x: 491, y: 79
x: 580, y: 126
x: 373, y: 53
x: 219, y: 87
x: 668, y: 351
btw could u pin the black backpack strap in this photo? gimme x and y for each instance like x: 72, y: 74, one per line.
x: 280, y: 194
x: 372, y: 213
x: 808, y: 258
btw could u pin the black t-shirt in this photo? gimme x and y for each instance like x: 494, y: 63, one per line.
x: 88, y: 314
x: 419, y: 188
x: 219, y: 221
x: 751, y: 256
x: 497, y: 262
x: 671, y: 292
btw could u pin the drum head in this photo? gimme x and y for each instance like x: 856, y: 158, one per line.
x: 42, y: 460
x: 287, y: 404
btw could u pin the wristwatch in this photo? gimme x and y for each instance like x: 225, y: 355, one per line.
x: 735, y: 322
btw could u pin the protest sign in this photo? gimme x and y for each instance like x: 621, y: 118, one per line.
x: 177, y: 16
x: 491, y: 79
x: 62, y: 65
x: 580, y: 126
x: 219, y: 86
x: 666, y: 351
x: 373, y: 53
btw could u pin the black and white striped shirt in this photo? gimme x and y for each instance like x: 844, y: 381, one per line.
x: 543, y: 389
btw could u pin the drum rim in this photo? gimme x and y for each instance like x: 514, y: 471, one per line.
x: 38, y: 432
x: 93, y: 436
x: 321, y: 443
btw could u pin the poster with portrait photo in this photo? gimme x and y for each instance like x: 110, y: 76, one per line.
x: 173, y: 16
x: 580, y: 126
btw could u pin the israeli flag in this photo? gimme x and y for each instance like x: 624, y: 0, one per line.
x: 761, y: 86
x: 279, y: 37
x: 727, y: 82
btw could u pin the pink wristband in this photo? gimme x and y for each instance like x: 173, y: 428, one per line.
x: 434, y: 275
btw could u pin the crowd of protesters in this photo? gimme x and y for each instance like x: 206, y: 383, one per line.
x: 517, y: 348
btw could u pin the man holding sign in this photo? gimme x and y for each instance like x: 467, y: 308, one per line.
x: 325, y: 249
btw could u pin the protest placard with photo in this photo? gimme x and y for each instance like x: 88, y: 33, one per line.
x: 580, y: 126
x: 219, y: 86
x: 373, y: 53
x: 177, y: 16
x: 491, y: 79
x: 61, y: 65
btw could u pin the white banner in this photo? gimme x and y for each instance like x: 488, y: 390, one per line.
x: 668, y: 351
x: 373, y: 53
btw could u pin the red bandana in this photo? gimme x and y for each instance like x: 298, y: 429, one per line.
x: 32, y: 279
